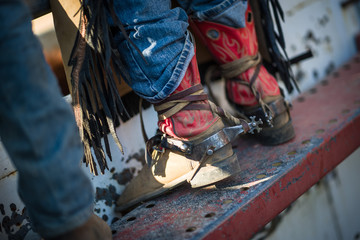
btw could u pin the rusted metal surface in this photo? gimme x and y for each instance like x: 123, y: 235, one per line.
x: 327, y: 125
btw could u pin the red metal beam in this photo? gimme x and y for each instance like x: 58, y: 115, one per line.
x: 327, y: 125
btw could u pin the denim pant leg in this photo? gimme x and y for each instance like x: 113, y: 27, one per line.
x: 38, y: 130
x: 227, y: 12
x: 161, y: 35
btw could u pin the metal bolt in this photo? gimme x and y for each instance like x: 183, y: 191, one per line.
x: 210, y: 152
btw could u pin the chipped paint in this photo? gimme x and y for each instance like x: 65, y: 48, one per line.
x: 138, y: 156
x: 323, y: 27
x: 15, y: 225
x: 125, y: 176
x: 13, y: 173
x: 300, y: 6
x: 108, y: 194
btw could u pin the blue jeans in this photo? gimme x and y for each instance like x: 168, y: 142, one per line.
x: 38, y: 130
x: 161, y: 35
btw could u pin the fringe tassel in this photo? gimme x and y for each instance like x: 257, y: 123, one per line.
x: 274, y: 38
x: 96, y: 101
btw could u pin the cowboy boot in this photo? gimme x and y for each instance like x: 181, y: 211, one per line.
x: 191, y: 147
x: 250, y: 89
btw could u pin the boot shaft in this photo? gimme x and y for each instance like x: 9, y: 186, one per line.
x: 190, y: 117
x: 228, y: 45
x: 191, y: 77
x: 225, y: 43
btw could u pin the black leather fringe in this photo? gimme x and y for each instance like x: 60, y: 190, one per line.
x: 270, y: 34
x: 96, y: 68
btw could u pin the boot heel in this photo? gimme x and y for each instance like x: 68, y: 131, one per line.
x: 215, y: 172
x: 275, y: 136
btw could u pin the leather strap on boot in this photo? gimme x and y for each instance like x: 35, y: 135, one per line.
x: 207, y: 147
x: 235, y: 68
x: 232, y: 70
x: 277, y: 107
x: 184, y: 100
x: 187, y: 100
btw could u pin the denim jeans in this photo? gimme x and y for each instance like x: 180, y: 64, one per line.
x: 161, y: 35
x: 38, y: 130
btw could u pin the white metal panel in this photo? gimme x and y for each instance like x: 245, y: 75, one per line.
x: 320, y: 26
x: 5, y: 164
x: 123, y: 167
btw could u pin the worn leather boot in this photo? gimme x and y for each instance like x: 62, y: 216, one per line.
x: 190, y: 148
x: 250, y: 89
x: 94, y: 229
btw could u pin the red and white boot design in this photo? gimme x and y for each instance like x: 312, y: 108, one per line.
x: 193, y: 146
x: 187, y: 124
x: 250, y: 88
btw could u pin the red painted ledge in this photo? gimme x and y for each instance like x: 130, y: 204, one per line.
x: 327, y: 125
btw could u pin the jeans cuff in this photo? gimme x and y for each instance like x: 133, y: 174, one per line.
x: 178, y: 74
x: 230, y: 13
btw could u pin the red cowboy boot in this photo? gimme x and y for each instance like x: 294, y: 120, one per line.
x: 250, y: 88
x: 187, y: 124
x: 194, y: 145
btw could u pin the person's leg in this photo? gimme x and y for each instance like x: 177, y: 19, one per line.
x: 192, y: 147
x: 249, y: 87
x: 38, y: 130
x: 162, y: 37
